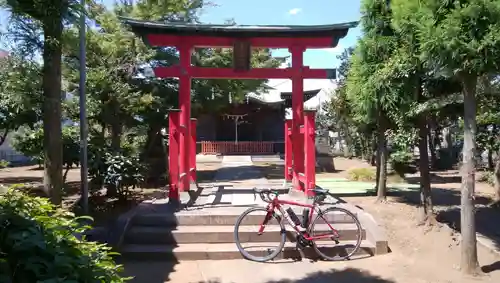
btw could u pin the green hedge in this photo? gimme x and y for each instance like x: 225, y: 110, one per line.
x: 38, y: 243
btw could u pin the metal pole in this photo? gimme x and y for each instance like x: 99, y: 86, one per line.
x: 83, y: 116
x: 236, y: 129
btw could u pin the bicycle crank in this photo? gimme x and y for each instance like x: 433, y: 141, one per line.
x: 302, y: 242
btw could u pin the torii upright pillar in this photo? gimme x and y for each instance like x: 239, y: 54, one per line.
x: 297, y: 115
x: 185, y: 115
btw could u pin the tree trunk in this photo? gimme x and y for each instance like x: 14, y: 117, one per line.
x: 116, y: 127
x: 154, y: 154
x: 347, y: 142
x: 3, y: 137
x: 65, y: 175
x: 432, y: 146
x: 496, y: 179
x: 448, y: 147
x: 116, y: 136
x: 469, y: 262
x: 382, y: 162
x: 378, y: 166
x: 491, y: 164
x: 374, y: 151
x: 426, y: 212
x: 52, y: 96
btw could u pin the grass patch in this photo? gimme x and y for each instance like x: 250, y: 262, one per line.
x: 361, y: 175
x: 369, y: 175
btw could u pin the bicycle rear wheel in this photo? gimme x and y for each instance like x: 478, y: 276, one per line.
x: 266, y: 246
x: 346, y: 234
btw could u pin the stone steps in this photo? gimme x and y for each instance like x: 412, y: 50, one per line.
x: 212, y: 217
x: 208, y: 233
x: 218, y: 251
x: 223, y: 234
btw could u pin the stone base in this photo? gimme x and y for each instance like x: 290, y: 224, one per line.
x: 325, y: 164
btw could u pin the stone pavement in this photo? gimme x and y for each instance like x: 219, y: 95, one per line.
x: 243, y: 271
x: 233, y: 183
x: 238, y: 168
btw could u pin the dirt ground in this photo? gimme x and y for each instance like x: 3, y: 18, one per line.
x: 423, y: 255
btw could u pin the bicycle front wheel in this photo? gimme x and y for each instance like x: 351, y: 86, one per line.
x: 258, y: 235
x: 337, y: 234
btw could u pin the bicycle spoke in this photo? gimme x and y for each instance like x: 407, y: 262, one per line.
x: 259, y: 238
x: 337, y: 234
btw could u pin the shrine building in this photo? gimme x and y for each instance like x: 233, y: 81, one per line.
x: 255, y: 126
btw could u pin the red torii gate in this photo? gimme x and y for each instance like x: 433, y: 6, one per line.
x: 300, y: 160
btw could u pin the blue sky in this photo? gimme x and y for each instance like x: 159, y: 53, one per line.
x: 284, y: 12
x: 292, y: 12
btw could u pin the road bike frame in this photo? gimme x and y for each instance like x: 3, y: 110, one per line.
x: 276, y: 204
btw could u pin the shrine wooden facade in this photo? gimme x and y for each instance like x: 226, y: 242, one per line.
x: 259, y: 130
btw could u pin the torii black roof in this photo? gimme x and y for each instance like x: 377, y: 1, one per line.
x: 152, y: 27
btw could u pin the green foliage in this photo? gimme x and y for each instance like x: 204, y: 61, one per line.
x: 20, y: 93
x: 124, y: 173
x: 39, y: 243
x: 4, y: 164
x: 403, y: 140
x: 30, y: 143
x: 460, y: 36
x: 487, y: 177
x: 361, y: 174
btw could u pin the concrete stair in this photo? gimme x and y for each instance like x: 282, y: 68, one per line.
x: 208, y: 233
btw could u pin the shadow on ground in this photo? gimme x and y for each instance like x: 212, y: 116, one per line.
x: 486, y: 223
x: 20, y: 179
x: 447, y: 207
x: 441, y: 178
x: 440, y: 197
x: 277, y: 171
x: 348, y: 275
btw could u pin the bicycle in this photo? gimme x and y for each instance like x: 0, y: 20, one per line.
x: 304, y: 230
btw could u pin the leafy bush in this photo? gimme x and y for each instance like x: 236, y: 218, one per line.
x: 4, y: 164
x: 123, y: 173
x: 400, y: 162
x: 361, y: 174
x: 487, y: 177
x: 30, y: 143
x: 38, y: 243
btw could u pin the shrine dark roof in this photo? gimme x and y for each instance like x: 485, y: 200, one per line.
x: 238, y: 31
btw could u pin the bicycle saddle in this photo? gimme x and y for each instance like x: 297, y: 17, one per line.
x: 320, y: 191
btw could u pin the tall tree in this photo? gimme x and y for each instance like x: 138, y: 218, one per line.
x: 463, y: 39
x: 50, y: 16
x: 370, y: 98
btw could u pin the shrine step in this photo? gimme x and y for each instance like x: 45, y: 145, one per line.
x: 148, y: 235
x: 220, y: 251
x: 207, y: 218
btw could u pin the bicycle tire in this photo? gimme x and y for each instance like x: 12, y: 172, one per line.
x: 358, y: 241
x: 244, y: 253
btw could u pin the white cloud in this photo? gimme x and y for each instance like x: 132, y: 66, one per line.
x: 294, y: 11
